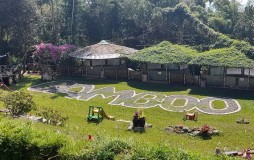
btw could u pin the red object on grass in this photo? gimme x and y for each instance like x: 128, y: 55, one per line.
x: 90, y: 137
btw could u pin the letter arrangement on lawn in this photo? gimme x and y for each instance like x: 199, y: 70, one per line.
x: 129, y: 98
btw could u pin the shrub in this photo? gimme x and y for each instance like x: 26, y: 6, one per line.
x: 116, y: 146
x: 21, y: 141
x: 52, y: 116
x: 19, y: 103
x: 162, y: 152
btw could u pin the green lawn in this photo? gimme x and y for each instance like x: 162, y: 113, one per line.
x: 217, y: 104
x: 76, y: 89
x: 234, y: 136
x: 179, y: 102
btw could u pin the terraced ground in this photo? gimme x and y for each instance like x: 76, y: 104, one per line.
x: 233, y: 136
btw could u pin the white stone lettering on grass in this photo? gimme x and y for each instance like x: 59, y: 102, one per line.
x: 185, y: 102
x: 191, y: 103
x: 129, y: 98
x: 232, y: 106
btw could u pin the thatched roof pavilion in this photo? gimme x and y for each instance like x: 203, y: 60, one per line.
x: 165, y: 53
x: 103, y: 59
x: 225, y: 57
x: 102, y: 50
x: 164, y: 59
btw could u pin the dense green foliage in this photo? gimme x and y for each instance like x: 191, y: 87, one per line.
x: 22, y: 141
x: 227, y: 57
x: 18, y: 103
x: 165, y: 53
x: 238, y: 55
x: 199, y: 23
x: 17, y: 26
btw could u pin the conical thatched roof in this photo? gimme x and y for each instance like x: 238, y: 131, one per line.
x: 165, y: 53
x: 102, y: 50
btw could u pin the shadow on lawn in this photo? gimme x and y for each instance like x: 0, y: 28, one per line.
x: 31, y: 80
x: 89, y: 80
x: 57, y: 95
x: 155, y: 87
x: 223, y: 92
x: 195, y: 90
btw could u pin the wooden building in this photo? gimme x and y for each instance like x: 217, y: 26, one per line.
x: 102, y: 60
x: 227, y: 67
x: 166, y: 63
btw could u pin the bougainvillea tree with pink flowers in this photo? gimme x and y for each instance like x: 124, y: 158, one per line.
x: 48, y: 56
x: 47, y: 53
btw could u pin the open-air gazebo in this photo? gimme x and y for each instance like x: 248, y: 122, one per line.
x: 104, y: 60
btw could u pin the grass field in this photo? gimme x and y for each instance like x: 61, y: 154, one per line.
x: 233, y: 137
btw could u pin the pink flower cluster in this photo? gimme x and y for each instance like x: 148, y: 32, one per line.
x: 47, y: 52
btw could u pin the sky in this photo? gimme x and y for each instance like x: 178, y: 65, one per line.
x: 243, y: 2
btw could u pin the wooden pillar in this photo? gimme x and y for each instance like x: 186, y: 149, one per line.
x: 86, y: 68
x: 82, y: 70
x: 102, y: 73
x: 141, y: 73
x: 116, y: 73
x: 184, y: 76
x: 199, y: 78
x: 169, y: 78
x: 128, y: 74
x: 166, y: 73
x: 148, y: 72
x: 184, y: 81
x: 224, y: 76
x: 249, y: 79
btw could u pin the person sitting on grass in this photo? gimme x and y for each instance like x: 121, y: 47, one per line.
x: 139, y: 119
x: 135, y: 120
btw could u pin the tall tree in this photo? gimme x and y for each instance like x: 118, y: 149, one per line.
x: 165, y: 3
x: 244, y: 28
x: 225, y: 16
x: 49, y: 20
x: 17, y: 25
